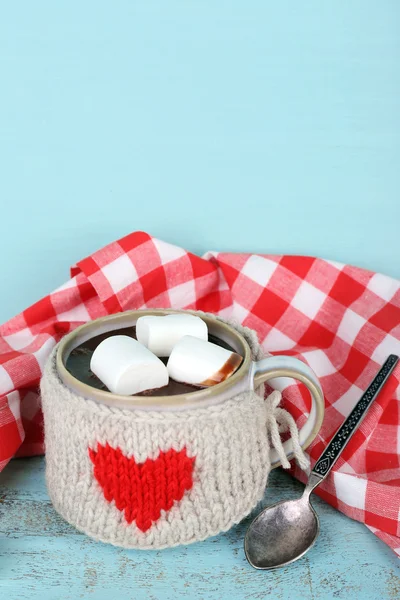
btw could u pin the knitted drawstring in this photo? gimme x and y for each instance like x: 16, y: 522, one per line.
x: 279, y: 421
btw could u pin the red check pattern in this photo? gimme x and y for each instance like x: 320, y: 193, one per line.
x: 341, y: 320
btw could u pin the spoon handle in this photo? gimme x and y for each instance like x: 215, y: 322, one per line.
x: 346, y: 430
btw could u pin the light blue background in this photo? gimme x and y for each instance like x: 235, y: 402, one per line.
x: 256, y: 126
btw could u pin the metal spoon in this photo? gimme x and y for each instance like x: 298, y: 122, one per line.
x: 284, y: 532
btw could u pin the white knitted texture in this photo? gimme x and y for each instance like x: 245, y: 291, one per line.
x: 229, y: 442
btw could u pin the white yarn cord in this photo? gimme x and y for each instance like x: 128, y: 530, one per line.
x: 280, y: 420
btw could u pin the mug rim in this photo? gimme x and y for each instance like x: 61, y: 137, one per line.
x: 124, y: 319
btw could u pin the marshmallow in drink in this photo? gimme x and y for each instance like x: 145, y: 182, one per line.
x: 160, y: 334
x: 126, y: 367
x: 201, y: 363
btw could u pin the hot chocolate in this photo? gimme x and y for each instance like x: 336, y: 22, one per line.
x: 78, y: 364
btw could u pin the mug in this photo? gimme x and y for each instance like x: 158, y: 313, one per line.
x: 156, y: 471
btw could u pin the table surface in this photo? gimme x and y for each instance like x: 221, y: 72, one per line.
x: 44, y: 558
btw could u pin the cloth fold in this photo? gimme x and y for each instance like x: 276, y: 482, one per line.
x: 341, y: 320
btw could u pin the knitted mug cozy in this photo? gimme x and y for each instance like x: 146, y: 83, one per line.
x: 156, y: 479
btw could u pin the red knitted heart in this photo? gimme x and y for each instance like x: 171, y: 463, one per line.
x: 142, y: 490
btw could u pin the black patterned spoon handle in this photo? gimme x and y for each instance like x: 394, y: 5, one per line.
x: 346, y: 430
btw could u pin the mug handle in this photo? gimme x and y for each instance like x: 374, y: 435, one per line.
x: 286, y: 366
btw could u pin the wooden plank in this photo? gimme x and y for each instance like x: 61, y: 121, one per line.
x: 44, y: 558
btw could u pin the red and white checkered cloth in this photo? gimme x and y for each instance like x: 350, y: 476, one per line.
x: 341, y: 320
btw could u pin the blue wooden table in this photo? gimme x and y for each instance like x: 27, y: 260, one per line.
x: 44, y: 558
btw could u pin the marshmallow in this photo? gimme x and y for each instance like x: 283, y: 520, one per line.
x: 160, y: 334
x: 126, y: 367
x: 201, y: 363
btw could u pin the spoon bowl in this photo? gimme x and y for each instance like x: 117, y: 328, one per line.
x: 281, y: 534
